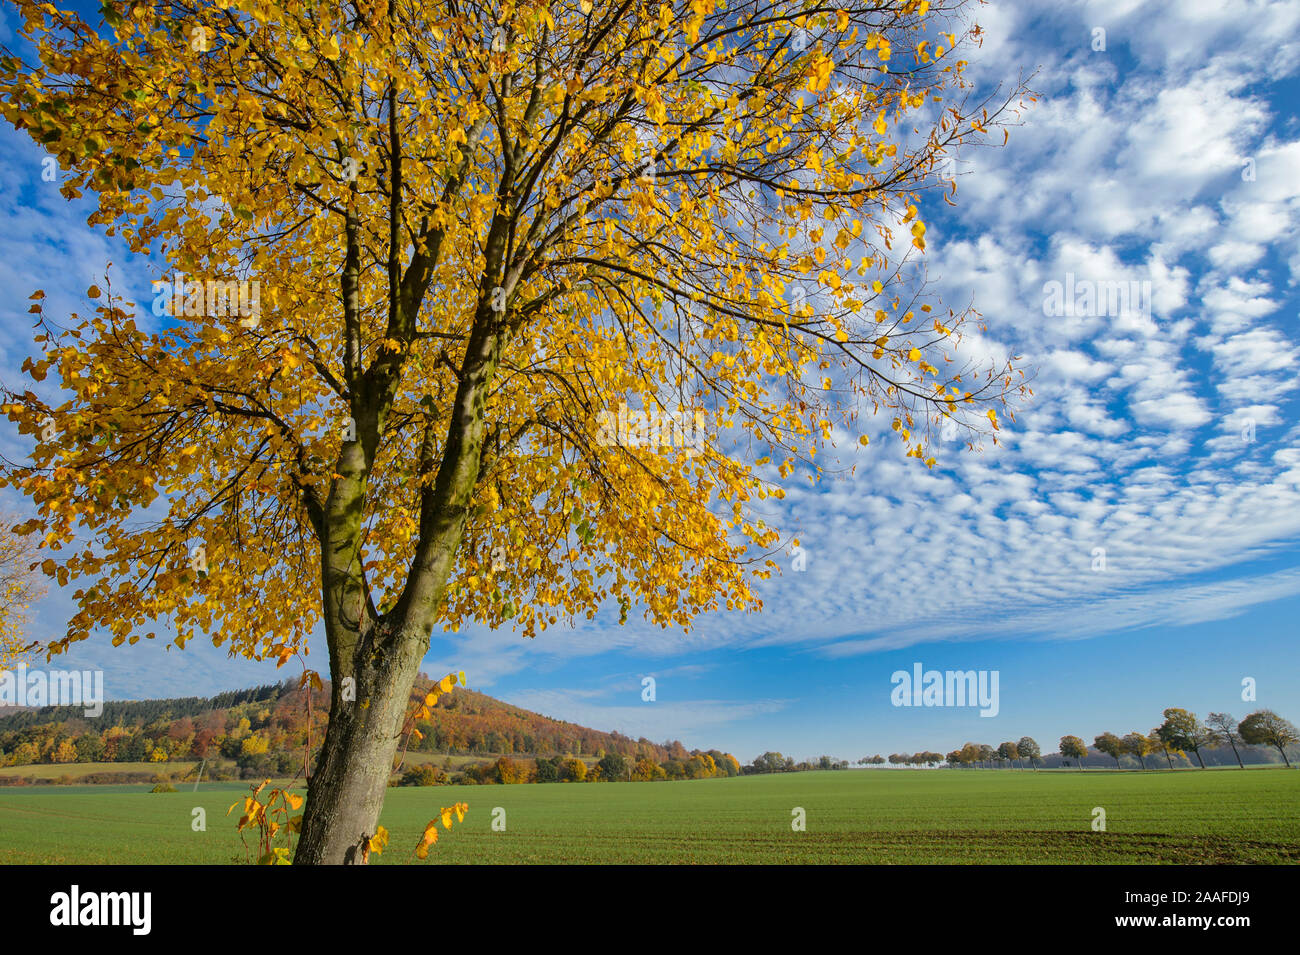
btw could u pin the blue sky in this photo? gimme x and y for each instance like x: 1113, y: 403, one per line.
x: 1129, y: 168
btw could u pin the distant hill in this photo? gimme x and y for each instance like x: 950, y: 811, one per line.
x: 267, y: 729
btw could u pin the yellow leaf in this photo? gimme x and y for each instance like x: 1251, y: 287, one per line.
x: 654, y: 107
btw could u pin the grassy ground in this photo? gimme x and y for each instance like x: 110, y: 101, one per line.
x: 896, y: 816
x: 78, y: 770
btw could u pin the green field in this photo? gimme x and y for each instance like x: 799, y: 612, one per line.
x: 884, y: 816
x: 78, y: 770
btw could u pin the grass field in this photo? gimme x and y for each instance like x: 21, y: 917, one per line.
x: 78, y: 770
x: 887, y: 816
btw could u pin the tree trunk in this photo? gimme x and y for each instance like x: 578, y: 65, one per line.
x: 1240, y: 764
x: 1169, y: 759
x: 1198, y: 758
x: 1282, y: 750
x: 375, y: 658
x: 350, y: 779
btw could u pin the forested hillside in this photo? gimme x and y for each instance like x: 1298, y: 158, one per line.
x: 268, y: 729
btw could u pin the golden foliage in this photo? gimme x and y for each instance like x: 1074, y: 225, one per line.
x: 271, y: 819
x: 20, y: 586
x: 646, y: 205
x: 430, y: 835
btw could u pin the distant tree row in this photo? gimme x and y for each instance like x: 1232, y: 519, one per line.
x: 903, y: 759
x: 772, y: 762
x: 1025, y: 750
x: 1180, y: 733
x: 1183, y: 732
x: 609, y: 767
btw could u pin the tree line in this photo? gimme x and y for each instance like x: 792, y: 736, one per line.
x: 1182, y: 732
x: 773, y: 762
x: 607, y: 767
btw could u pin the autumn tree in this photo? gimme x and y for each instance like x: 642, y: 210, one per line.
x: 1009, y: 751
x: 1159, y: 745
x: 613, y: 766
x: 726, y: 763
x: 1181, y: 730
x: 64, y: 752
x: 500, y: 313
x: 20, y: 587
x: 1266, y: 728
x: 1073, y: 748
x: 1111, y: 745
x: 1223, y: 729
x: 1028, y: 748
x: 646, y: 770
x: 1137, y: 744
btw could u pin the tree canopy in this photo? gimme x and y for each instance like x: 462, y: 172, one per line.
x: 473, y: 231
